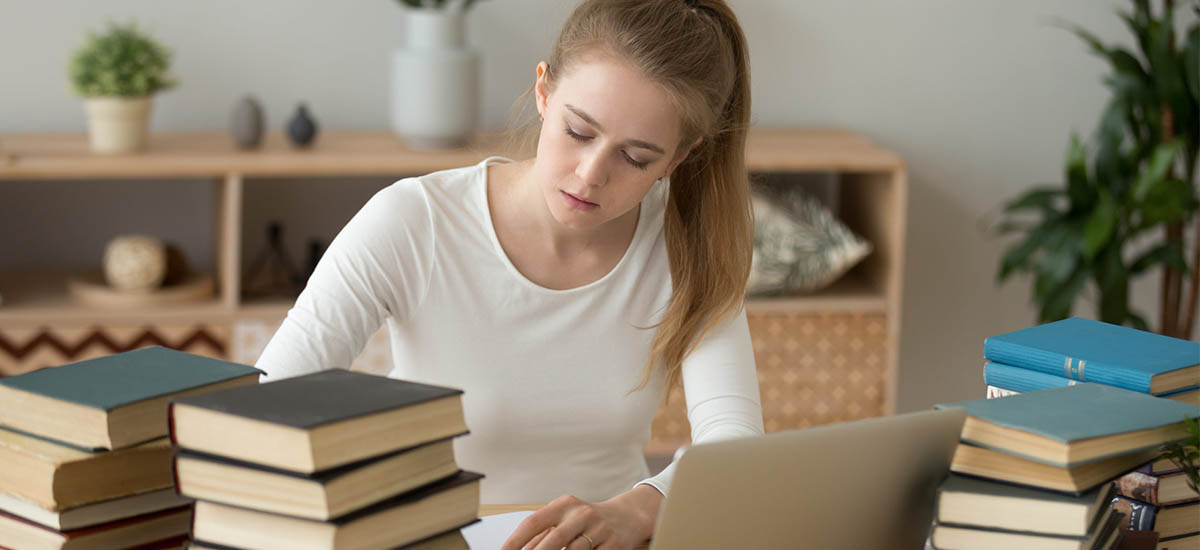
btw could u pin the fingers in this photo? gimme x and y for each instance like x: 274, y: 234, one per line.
x: 536, y: 540
x: 582, y: 543
x: 567, y: 533
x: 543, y: 519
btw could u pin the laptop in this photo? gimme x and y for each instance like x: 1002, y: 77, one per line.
x: 860, y: 485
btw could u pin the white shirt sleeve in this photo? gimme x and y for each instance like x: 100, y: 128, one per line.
x: 377, y: 266
x: 720, y: 386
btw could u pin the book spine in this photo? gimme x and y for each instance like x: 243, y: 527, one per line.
x: 1141, y: 515
x: 1065, y: 366
x: 1021, y: 379
x: 1139, y: 486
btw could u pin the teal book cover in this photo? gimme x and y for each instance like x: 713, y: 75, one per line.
x: 1024, y: 380
x: 109, y: 382
x: 1074, y: 413
x: 1093, y: 351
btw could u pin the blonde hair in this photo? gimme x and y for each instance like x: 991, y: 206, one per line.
x: 696, y: 51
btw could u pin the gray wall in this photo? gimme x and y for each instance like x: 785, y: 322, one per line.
x: 978, y: 96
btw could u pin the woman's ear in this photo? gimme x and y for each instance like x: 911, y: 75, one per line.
x: 681, y: 155
x: 541, y: 88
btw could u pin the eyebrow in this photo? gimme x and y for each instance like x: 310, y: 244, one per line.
x: 635, y: 142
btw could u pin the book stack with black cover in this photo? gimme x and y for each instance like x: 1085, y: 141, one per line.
x: 1157, y: 498
x: 1054, y: 449
x: 334, y: 460
x: 84, y: 458
x: 1077, y: 350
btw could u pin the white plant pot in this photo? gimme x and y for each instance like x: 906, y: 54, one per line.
x: 118, y: 124
x: 435, y: 82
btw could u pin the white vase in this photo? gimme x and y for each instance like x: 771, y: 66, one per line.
x: 435, y: 82
x: 118, y: 124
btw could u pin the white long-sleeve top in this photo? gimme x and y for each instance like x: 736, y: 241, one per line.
x: 546, y: 373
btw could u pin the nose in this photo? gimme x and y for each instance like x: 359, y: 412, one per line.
x: 591, y: 169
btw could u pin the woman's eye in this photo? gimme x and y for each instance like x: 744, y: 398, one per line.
x: 575, y: 136
x: 578, y: 137
x: 636, y: 164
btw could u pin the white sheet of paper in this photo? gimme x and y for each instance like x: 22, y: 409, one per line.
x: 492, y: 531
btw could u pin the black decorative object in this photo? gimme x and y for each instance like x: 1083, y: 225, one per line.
x: 247, y: 123
x: 272, y: 272
x: 314, y: 256
x: 301, y: 129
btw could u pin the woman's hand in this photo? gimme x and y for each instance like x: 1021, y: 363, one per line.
x: 623, y: 522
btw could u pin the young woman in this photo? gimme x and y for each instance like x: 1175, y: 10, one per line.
x: 567, y: 292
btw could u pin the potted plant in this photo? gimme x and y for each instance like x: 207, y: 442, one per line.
x: 435, y: 76
x: 1185, y: 454
x: 1126, y: 200
x: 117, y: 73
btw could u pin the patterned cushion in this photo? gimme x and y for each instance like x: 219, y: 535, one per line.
x: 799, y: 245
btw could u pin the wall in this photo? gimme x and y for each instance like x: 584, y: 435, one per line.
x: 978, y: 96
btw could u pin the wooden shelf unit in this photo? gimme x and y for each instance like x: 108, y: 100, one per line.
x: 872, y: 187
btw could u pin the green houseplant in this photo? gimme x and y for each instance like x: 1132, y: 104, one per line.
x: 1127, y: 199
x: 118, y: 72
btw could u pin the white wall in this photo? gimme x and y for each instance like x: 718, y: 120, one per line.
x: 978, y: 96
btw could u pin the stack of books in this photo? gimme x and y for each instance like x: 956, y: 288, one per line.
x: 1075, y: 350
x: 1157, y: 498
x: 1054, y: 449
x: 84, y: 458
x: 334, y: 460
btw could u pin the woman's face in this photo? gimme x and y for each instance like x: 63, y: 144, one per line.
x: 608, y: 134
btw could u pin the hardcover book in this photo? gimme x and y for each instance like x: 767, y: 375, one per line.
x: 115, y: 401
x: 1173, y: 521
x: 1013, y: 380
x: 317, y: 421
x: 408, y: 518
x: 960, y: 537
x: 149, y: 529
x: 976, y: 502
x: 990, y: 464
x: 1160, y: 490
x: 322, y: 496
x: 1074, y: 425
x: 1093, y: 351
x: 58, y: 477
x: 95, y: 513
x: 450, y: 540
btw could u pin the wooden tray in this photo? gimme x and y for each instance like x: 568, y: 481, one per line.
x: 91, y: 289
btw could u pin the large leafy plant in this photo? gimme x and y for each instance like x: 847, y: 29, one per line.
x: 122, y: 61
x: 1137, y: 179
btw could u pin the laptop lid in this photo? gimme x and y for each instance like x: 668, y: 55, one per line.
x: 863, y: 485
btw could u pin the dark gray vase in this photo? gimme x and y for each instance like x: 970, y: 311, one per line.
x: 301, y: 129
x: 247, y: 123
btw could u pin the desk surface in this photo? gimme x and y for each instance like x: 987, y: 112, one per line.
x: 496, y: 509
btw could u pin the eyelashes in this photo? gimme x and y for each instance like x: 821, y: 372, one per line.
x: 577, y: 137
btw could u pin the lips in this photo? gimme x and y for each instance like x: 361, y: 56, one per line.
x: 581, y: 199
x: 581, y: 204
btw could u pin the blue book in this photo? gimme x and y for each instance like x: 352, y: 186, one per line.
x: 1092, y: 351
x: 1017, y: 379
x: 1074, y: 425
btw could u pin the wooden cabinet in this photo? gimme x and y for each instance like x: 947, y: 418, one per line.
x: 826, y: 357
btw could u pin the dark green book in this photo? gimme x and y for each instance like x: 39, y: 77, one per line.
x: 1074, y: 425
x: 115, y: 401
x: 318, y: 421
